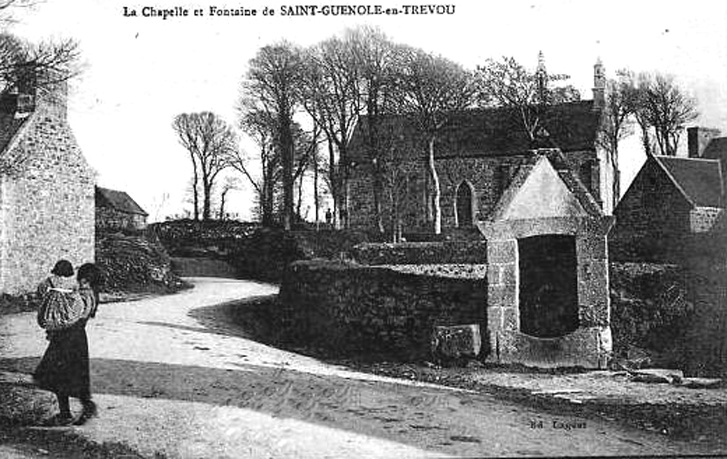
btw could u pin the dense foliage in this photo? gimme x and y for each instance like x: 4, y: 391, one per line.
x: 650, y: 308
x: 134, y: 263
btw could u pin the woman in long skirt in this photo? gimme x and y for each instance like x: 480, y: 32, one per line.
x: 64, y: 368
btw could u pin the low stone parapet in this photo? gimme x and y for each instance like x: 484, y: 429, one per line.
x: 421, y: 253
x: 350, y: 308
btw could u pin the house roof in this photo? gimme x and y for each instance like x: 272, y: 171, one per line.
x: 700, y: 180
x: 118, y: 200
x: 488, y: 131
x: 716, y: 149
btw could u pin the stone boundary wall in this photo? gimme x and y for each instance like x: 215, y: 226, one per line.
x: 349, y: 308
x: 256, y: 252
x: 180, y: 235
x: 421, y: 253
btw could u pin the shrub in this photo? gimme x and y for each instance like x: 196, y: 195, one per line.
x: 135, y: 264
x: 650, y: 308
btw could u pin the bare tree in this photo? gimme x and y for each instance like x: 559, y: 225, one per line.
x: 191, y: 196
x: 34, y: 66
x: 616, y: 120
x: 316, y: 166
x: 208, y: 140
x: 396, y: 177
x: 377, y: 60
x: 507, y: 83
x: 662, y: 107
x: 306, y: 144
x: 274, y: 80
x: 264, y: 169
x: 229, y: 184
x: 330, y: 95
x: 38, y: 67
x: 347, y: 78
x: 432, y: 89
x: 260, y: 125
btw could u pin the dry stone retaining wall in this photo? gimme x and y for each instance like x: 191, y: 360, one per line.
x: 351, y: 308
x: 346, y: 308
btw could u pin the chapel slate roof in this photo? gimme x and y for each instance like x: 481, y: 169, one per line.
x: 118, y: 200
x: 571, y: 126
x: 699, y: 179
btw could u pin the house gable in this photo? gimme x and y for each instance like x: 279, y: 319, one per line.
x: 47, y: 199
x: 651, y: 178
x: 653, y: 217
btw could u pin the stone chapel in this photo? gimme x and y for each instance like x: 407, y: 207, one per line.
x: 544, y: 210
x: 477, y: 155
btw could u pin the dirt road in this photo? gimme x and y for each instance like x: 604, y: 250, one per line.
x: 169, y: 384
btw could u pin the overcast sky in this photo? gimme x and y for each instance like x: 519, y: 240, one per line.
x: 142, y: 71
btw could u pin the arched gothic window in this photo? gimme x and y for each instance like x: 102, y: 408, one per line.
x: 464, y: 205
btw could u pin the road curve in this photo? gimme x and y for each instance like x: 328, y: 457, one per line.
x: 167, y: 383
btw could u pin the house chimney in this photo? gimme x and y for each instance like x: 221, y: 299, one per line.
x: 16, y: 104
x: 53, y: 98
x: 47, y: 92
x: 599, y: 85
x: 698, y: 138
x: 27, y: 92
x: 19, y: 99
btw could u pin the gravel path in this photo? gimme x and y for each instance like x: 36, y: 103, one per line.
x: 167, y: 384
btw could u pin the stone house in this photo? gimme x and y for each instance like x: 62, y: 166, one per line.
x: 675, y: 204
x: 477, y: 155
x: 670, y: 200
x: 674, y: 212
x: 116, y: 210
x: 46, y: 190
